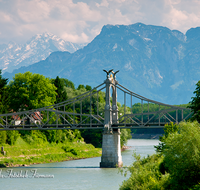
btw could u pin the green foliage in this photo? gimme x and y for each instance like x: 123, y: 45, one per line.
x: 3, y: 137
x: 4, y: 95
x: 80, y: 86
x: 125, y: 135
x: 182, y: 156
x: 138, y: 107
x: 90, y: 136
x: 170, y: 128
x: 145, y: 174
x: 29, y: 91
x: 22, y: 153
x: 177, y: 168
x: 61, y: 136
x: 195, y: 187
x: 35, y: 137
x: 88, y: 88
x: 12, y: 136
x: 61, y: 94
x: 195, y: 103
x: 68, y: 83
x: 93, y: 136
x: 3, y: 81
x: 67, y: 148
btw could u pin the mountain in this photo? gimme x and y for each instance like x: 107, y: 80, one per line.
x: 39, y: 47
x: 154, y: 61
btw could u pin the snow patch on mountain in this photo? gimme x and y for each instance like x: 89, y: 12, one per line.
x: 39, y: 47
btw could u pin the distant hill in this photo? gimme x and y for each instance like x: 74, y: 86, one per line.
x: 154, y: 61
x: 39, y: 47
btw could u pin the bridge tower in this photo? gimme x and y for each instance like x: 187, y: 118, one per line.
x: 111, y: 149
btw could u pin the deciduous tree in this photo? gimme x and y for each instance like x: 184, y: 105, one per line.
x: 30, y: 91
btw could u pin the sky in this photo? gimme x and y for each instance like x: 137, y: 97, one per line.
x: 79, y: 21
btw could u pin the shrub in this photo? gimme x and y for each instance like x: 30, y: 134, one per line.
x: 145, y: 174
x: 12, y: 137
x: 182, y: 156
x: 3, y: 137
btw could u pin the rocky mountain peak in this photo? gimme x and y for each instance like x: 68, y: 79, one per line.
x: 39, y: 47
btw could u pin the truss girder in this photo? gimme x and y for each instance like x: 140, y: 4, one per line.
x: 55, y: 116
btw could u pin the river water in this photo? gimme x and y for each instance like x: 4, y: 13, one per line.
x: 82, y: 174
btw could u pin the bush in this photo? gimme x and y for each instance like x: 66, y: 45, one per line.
x: 182, y: 156
x: 3, y: 137
x: 177, y: 167
x: 12, y: 137
x: 35, y: 137
x: 145, y: 174
x: 168, y: 129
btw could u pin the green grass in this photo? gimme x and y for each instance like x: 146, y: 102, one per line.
x: 24, y: 154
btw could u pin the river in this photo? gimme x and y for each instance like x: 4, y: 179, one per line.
x: 83, y: 174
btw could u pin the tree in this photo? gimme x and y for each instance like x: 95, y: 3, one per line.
x: 182, y: 156
x: 61, y: 93
x: 169, y: 129
x: 12, y: 136
x: 80, y: 86
x: 88, y: 88
x: 195, y: 103
x: 125, y: 135
x: 29, y: 91
x: 68, y: 83
x: 3, y: 81
x: 3, y: 137
x: 3, y: 94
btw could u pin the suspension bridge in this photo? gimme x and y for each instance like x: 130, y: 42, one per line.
x: 58, y: 116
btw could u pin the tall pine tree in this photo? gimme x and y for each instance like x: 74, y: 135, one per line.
x: 61, y: 94
x: 195, y: 103
x: 3, y: 94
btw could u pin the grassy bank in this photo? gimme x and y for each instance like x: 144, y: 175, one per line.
x: 22, y: 153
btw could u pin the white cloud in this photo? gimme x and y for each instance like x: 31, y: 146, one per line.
x: 33, y: 10
x: 104, y: 3
x: 75, y: 38
x: 128, y: 67
x: 82, y: 20
x: 176, y: 85
x: 5, y: 18
x: 181, y: 15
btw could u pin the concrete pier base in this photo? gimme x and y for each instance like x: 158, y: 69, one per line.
x: 111, y: 150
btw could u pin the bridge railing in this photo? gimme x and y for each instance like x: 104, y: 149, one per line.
x: 84, y: 112
x: 163, y: 114
x: 68, y: 114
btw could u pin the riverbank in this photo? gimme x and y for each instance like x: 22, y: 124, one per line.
x: 23, y: 154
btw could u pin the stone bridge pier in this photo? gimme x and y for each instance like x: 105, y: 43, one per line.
x: 111, y: 149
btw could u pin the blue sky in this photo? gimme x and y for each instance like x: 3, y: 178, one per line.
x: 80, y: 21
